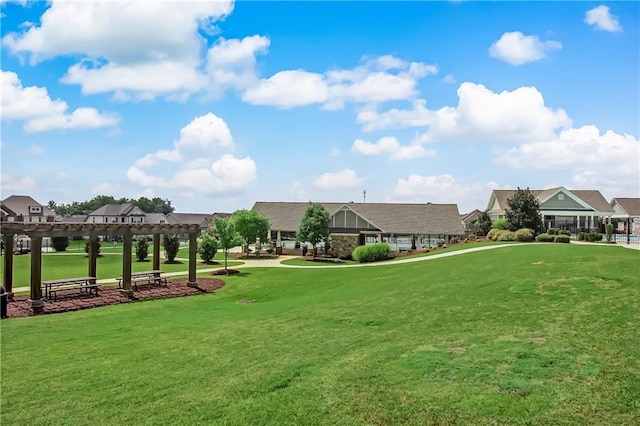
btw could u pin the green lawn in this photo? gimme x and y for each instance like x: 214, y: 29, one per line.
x: 529, y: 334
x: 75, y: 264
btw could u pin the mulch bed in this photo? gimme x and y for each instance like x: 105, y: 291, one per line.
x: 20, y: 306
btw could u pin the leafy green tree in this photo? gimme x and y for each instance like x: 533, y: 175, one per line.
x: 523, y: 211
x: 608, y: 228
x: 314, y: 226
x: 171, y: 244
x: 227, y: 236
x: 251, y: 225
x: 60, y: 243
x: 483, y: 224
x: 142, y: 248
x: 499, y: 224
x: 207, y: 246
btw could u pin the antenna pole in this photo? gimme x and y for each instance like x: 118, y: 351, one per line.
x: 364, y: 196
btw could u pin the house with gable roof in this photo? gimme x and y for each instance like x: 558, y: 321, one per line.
x: 117, y: 213
x: 403, y: 226
x: 23, y: 208
x: 574, y: 210
x: 627, y: 213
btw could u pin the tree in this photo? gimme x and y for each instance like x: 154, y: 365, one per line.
x: 251, y: 225
x: 483, y: 224
x: 207, y: 246
x: 523, y: 211
x: 142, y: 248
x: 227, y: 236
x: 314, y: 226
x: 171, y: 244
x: 60, y: 243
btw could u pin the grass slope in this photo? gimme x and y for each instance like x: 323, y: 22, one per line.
x: 543, y: 334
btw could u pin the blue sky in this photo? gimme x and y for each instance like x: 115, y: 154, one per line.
x: 216, y: 105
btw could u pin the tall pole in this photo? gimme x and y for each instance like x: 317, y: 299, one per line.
x: 364, y: 194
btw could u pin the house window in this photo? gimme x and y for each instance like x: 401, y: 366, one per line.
x: 560, y: 197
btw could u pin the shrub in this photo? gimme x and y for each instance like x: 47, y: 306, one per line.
x: 562, y: 238
x: 142, y: 248
x: 504, y: 235
x: 545, y: 238
x: 371, y: 252
x: 582, y: 236
x: 564, y: 232
x: 499, y: 224
x: 594, y: 236
x: 552, y: 231
x: 492, y: 234
x: 609, y: 230
x: 454, y: 240
x: 171, y: 245
x: 524, y: 235
x: 98, y: 245
x: 60, y: 243
x: 207, y: 247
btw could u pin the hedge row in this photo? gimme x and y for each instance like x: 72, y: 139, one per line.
x: 589, y: 236
x: 547, y: 238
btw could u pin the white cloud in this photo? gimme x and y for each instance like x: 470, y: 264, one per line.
x: 16, y: 184
x: 443, y: 189
x: 137, y: 50
x: 385, y: 145
x: 516, y: 48
x: 40, y: 113
x: 449, y: 79
x: 346, y: 178
x: 601, y: 19
x: 288, y: 89
x: 595, y: 159
x: 194, y: 154
x: 411, y: 152
x: 379, y: 79
x: 334, y: 152
x: 483, y: 115
x: 419, y: 116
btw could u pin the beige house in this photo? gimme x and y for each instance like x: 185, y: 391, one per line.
x: 403, y: 226
x: 575, y: 210
x: 117, y: 213
x: 627, y: 213
x: 22, y: 208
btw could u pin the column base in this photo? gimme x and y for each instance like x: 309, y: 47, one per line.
x: 192, y: 284
x: 128, y: 293
x: 37, y: 305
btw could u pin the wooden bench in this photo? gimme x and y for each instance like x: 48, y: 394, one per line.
x: 146, y: 277
x: 86, y: 285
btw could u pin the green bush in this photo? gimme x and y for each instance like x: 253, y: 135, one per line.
x: 371, y: 252
x: 594, y: 236
x: 207, y: 247
x: 582, y: 236
x: 504, y: 235
x: 499, y: 224
x: 492, y: 234
x: 552, y: 231
x: 524, y: 235
x: 142, y: 248
x: 98, y: 245
x: 609, y: 230
x: 545, y: 238
x: 564, y: 232
x: 171, y: 244
x: 60, y: 243
x: 561, y: 238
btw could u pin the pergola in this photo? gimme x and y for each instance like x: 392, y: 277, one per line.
x: 36, y: 231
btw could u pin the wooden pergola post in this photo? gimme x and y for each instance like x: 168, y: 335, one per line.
x: 156, y: 251
x: 8, y: 264
x: 36, y: 275
x: 126, y: 262
x: 193, y: 249
x: 93, y: 255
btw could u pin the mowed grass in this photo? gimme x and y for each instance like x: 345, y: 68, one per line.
x: 109, y: 265
x: 525, y: 334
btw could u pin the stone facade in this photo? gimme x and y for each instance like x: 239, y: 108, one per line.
x: 343, y: 245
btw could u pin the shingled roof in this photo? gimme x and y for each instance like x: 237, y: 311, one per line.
x: 125, y: 209
x: 591, y: 197
x: 392, y: 218
x: 19, y: 204
x: 631, y: 206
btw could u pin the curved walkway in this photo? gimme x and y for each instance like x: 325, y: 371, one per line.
x: 277, y: 263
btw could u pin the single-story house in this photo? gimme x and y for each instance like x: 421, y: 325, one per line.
x: 403, y: 226
x: 627, y: 212
x: 469, y: 219
x: 200, y: 219
x: 575, y: 210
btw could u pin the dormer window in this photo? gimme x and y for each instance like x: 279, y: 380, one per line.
x: 560, y: 197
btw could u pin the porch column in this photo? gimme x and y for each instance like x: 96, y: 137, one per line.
x: 8, y: 265
x: 628, y: 230
x: 193, y: 249
x: 156, y: 252
x: 126, y: 263
x: 278, y: 238
x: 93, y: 255
x: 35, y: 294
